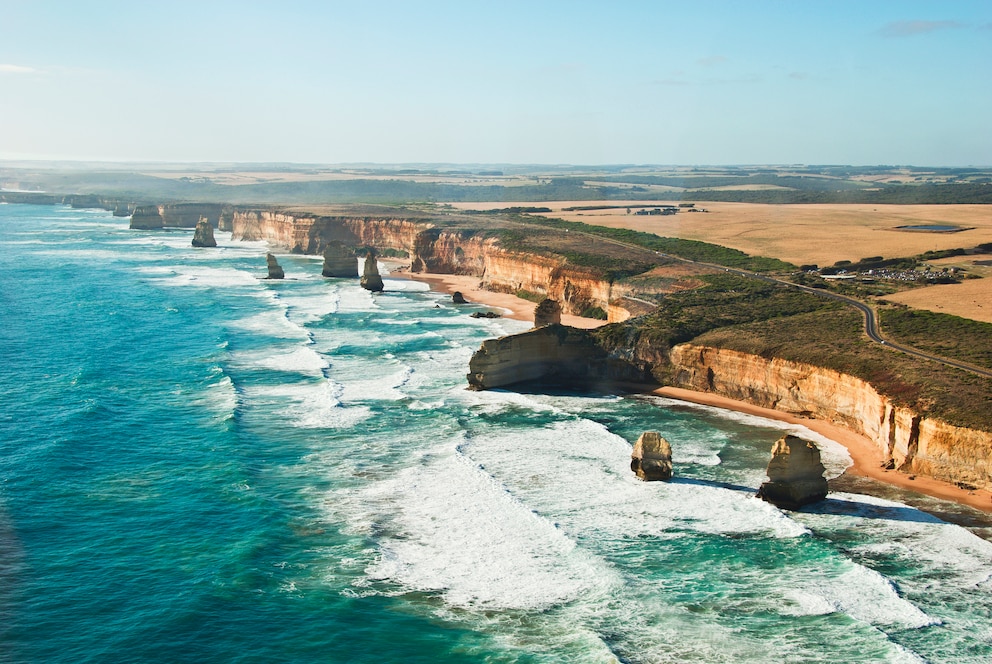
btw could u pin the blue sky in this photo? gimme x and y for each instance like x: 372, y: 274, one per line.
x: 700, y: 82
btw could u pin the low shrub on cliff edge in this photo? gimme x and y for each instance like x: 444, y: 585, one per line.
x: 769, y: 321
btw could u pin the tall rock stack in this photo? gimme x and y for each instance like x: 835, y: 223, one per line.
x: 370, y: 275
x: 275, y: 270
x: 548, y: 312
x: 339, y: 261
x: 146, y: 217
x: 651, y: 458
x: 795, y: 474
x: 203, y: 236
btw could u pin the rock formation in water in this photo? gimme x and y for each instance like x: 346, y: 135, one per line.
x: 339, y: 261
x: 458, y: 298
x: 484, y: 314
x: 548, y: 312
x: 651, y: 458
x: 203, y: 236
x: 275, y: 270
x: 795, y: 474
x: 370, y: 275
x: 146, y: 217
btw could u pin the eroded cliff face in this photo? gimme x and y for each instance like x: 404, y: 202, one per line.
x: 177, y: 215
x: 438, y: 251
x: 553, y: 353
x: 912, y: 441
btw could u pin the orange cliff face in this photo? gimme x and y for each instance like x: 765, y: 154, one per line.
x: 912, y: 441
x: 439, y: 251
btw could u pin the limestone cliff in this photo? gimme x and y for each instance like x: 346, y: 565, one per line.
x: 440, y: 251
x: 178, y: 215
x: 553, y: 353
x: 912, y: 441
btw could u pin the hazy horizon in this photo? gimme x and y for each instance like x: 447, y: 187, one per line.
x: 555, y: 83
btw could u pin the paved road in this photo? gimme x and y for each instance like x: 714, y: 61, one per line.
x: 871, y: 319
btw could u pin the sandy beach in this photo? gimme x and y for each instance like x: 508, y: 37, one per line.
x: 866, y: 457
x: 513, y: 306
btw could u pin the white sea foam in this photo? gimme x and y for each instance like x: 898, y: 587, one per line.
x: 578, y: 474
x: 955, y: 559
x: 862, y: 594
x: 202, y: 276
x: 302, y: 359
x: 219, y: 395
x: 449, y: 527
x: 273, y: 324
x: 381, y: 388
x: 313, y: 405
x: 311, y: 306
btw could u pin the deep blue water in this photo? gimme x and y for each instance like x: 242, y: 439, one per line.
x: 197, y: 464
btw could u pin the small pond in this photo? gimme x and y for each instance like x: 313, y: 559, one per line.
x: 931, y: 228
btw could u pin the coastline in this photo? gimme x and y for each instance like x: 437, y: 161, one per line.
x: 866, y: 457
x: 513, y: 306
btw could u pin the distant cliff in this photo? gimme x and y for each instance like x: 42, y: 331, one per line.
x: 439, y: 250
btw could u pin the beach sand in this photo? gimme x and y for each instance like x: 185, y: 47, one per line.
x: 866, y: 457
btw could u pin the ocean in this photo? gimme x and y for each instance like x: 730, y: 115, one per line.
x: 198, y: 464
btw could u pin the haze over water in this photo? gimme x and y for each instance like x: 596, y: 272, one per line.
x: 200, y: 465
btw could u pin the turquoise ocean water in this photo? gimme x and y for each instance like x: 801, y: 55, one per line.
x: 200, y: 465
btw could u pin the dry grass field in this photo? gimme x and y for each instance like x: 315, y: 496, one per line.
x: 821, y: 235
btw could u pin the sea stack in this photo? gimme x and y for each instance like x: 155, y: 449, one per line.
x: 548, y: 312
x: 458, y: 298
x: 147, y: 217
x: 275, y: 270
x: 651, y: 459
x: 370, y: 275
x: 795, y: 474
x: 339, y: 261
x: 203, y: 236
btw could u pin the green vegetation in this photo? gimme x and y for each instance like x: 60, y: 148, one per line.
x: 690, y: 249
x: 527, y: 295
x: 949, y: 336
x: 594, y: 312
x: 613, y: 268
x: 726, y: 300
x: 772, y: 321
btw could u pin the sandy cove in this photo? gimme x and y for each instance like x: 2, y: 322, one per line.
x: 866, y: 457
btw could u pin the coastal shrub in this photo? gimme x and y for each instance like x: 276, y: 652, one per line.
x: 594, y: 312
x: 694, y: 250
x: 528, y: 295
x: 949, y: 336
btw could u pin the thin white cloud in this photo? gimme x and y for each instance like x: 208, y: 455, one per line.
x: 16, y: 69
x: 711, y: 61
x: 911, y: 28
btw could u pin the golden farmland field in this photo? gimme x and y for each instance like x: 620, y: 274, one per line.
x: 820, y: 234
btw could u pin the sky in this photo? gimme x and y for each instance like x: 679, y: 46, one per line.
x: 712, y: 82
